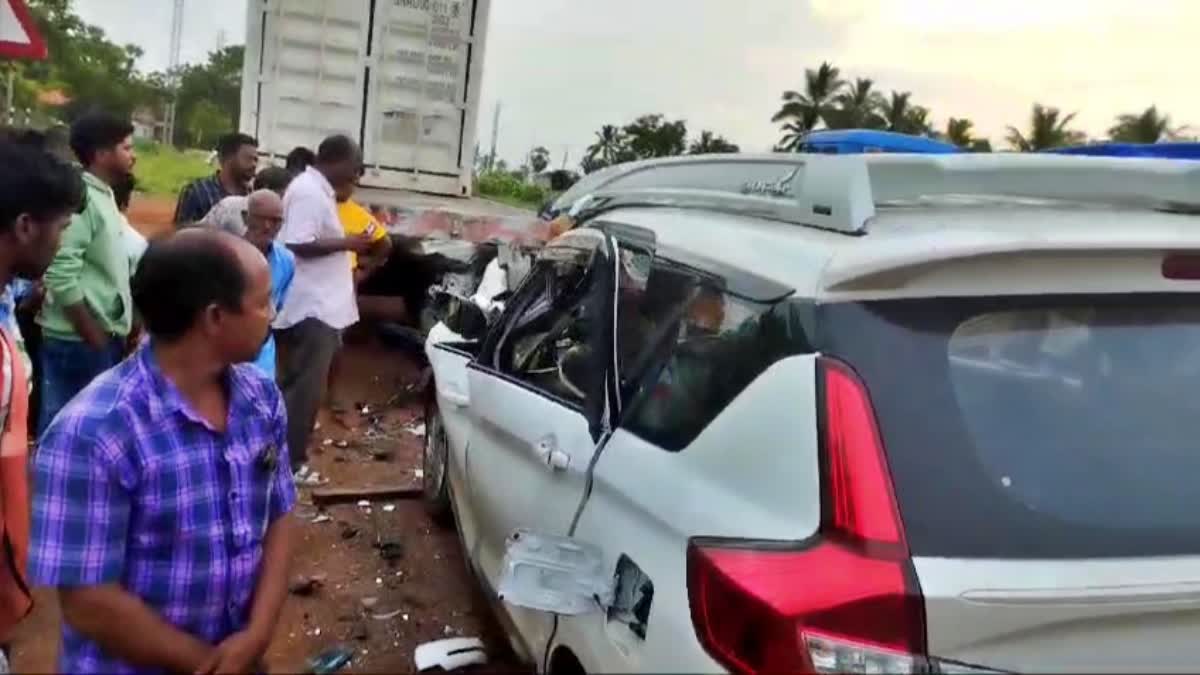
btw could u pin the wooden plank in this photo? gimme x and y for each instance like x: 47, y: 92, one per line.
x: 326, y: 496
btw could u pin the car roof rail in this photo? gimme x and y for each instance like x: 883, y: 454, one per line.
x: 840, y: 192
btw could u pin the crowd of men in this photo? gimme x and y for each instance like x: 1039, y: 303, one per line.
x: 177, y: 388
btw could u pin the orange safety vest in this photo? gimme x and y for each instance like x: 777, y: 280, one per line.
x: 15, y: 599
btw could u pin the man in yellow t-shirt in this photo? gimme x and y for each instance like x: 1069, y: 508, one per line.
x: 358, y: 221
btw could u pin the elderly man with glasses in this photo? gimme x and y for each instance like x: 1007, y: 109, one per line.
x: 262, y: 219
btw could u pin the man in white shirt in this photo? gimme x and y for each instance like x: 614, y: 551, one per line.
x: 321, y: 301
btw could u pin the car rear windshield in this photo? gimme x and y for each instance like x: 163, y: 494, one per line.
x: 1035, y: 427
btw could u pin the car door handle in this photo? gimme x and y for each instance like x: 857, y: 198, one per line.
x: 456, y: 399
x: 558, y: 461
x: 554, y: 459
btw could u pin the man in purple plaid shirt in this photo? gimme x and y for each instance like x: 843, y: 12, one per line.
x: 163, y: 491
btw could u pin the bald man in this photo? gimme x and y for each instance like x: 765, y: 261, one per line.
x: 163, y: 491
x: 263, y: 217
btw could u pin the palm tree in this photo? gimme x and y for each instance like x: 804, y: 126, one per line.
x: 917, y: 122
x: 958, y: 132
x: 807, y: 109
x: 1147, y: 127
x: 858, y: 107
x: 609, y: 148
x: 793, y: 137
x: 897, y: 110
x: 1047, y: 129
x: 709, y: 143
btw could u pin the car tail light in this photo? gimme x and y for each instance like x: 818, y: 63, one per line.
x: 1181, y: 266
x: 846, y: 601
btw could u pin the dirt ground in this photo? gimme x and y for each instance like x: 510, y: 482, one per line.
x: 379, y: 609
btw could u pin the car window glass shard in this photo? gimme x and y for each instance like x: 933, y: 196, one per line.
x: 554, y: 574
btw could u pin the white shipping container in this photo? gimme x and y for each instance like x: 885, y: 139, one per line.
x: 400, y: 76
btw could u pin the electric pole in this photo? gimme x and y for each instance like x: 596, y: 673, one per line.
x: 495, y: 136
x: 173, y: 70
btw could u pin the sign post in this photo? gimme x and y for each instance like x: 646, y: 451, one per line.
x: 19, y: 35
x: 19, y: 39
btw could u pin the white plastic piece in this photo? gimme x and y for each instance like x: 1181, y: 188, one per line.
x: 554, y: 574
x: 450, y: 654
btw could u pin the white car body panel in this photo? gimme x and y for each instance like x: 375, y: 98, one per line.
x: 1064, y: 616
x: 510, y: 481
x: 647, y: 504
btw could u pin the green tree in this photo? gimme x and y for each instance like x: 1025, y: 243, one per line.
x: 857, y: 107
x: 539, y: 159
x: 918, y: 122
x: 609, y: 148
x: 1048, y: 128
x: 1149, y: 126
x: 651, y: 136
x: 217, y: 82
x: 206, y: 122
x: 91, y: 69
x: 708, y: 143
x: 803, y: 111
x: 793, y: 137
x: 959, y: 131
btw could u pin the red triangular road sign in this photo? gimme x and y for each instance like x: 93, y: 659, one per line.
x: 19, y: 36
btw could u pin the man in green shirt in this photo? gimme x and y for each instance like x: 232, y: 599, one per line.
x: 88, y: 313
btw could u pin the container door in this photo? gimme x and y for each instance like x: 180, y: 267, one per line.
x: 313, y: 74
x: 418, y: 117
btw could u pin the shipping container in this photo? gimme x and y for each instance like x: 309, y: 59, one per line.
x: 400, y: 76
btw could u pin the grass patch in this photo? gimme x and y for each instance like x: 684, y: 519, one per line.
x: 511, y: 190
x: 164, y: 171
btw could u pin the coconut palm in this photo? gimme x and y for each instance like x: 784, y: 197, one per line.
x: 917, y: 122
x: 958, y: 132
x: 610, y: 146
x: 1149, y: 126
x: 857, y: 107
x: 709, y: 143
x: 896, y: 111
x: 793, y: 137
x: 809, y: 107
x: 1047, y: 129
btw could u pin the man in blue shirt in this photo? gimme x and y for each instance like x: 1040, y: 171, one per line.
x: 263, y: 217
x: 238, y: 155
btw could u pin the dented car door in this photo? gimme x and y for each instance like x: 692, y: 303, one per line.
x: 530, y: 404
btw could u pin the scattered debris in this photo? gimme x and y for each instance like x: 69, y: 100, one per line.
x: 322, y: 518
x: 327, y: 442
x: 330, y: 661
x: 391, y: 551
x: 369, y: 602
x: 349, y: 532
x: 364, y: 504
x: 450, y: 654
x: 418, y: 430
x: 419, y: 473
x: 327, y: 496
x: 342, y: 444
x: 305, y: 586
x: 387, y: 616
x: 388, y: 508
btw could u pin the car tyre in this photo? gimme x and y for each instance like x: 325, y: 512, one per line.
x: 435, y: 483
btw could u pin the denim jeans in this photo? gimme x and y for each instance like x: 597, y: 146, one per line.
x: 67, y: 367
